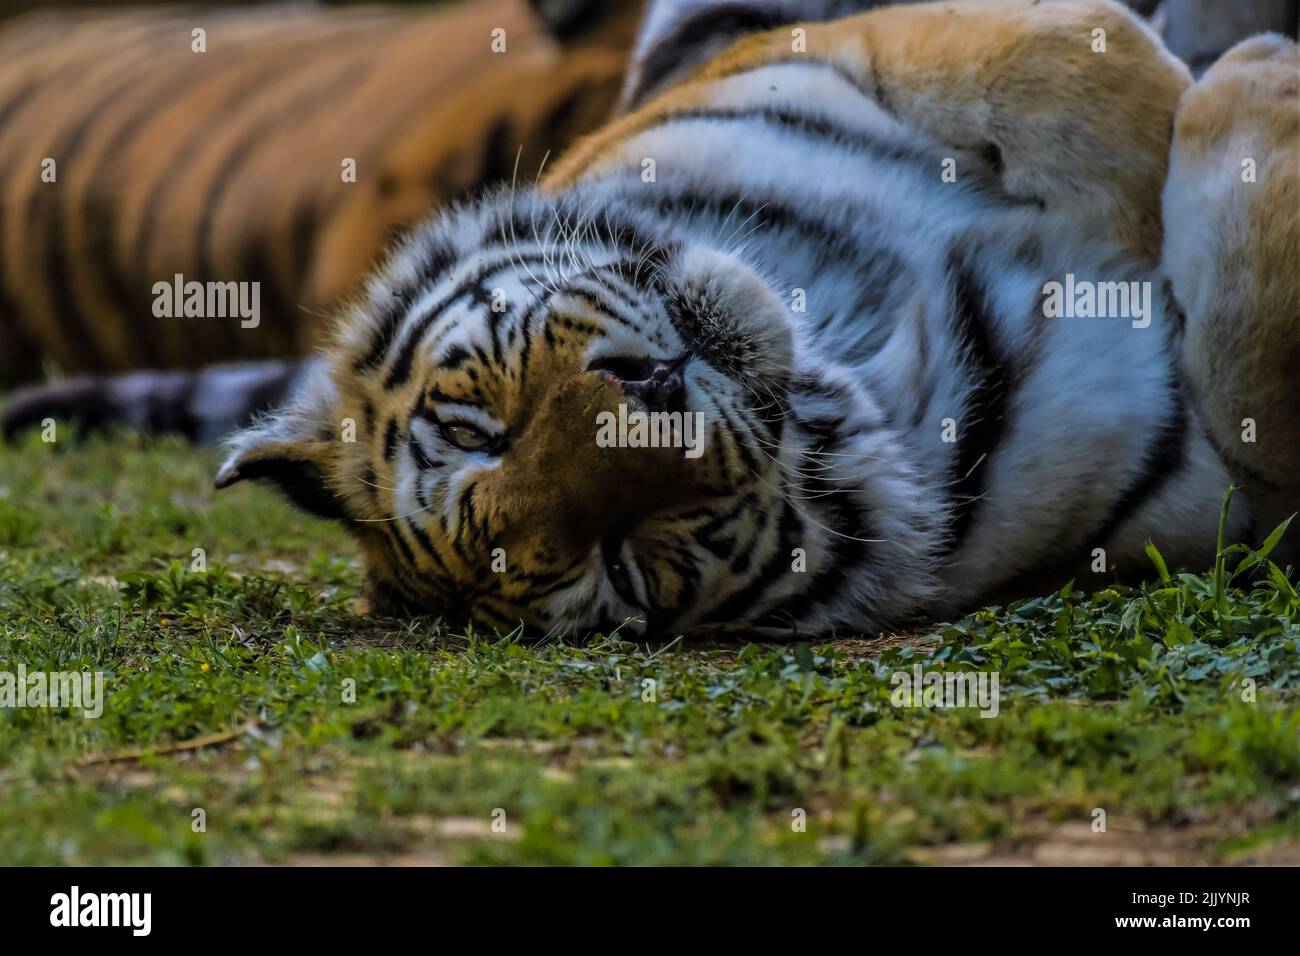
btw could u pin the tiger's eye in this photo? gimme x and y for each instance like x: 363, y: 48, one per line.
x: 467, y: 437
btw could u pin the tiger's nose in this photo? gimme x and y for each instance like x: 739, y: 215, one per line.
x: 658, y: 384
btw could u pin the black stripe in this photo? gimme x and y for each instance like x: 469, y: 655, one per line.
x: 840, y: 509
x: 24, y: 351
x: 627, y: 237
x: 617, y: 272
x: 805, y: 383
x: 498, y: 160
x: 67, y: 312
x: 370, y: 478
x: 1165, y: 455
x: 435, y: 394
x: 485, y: 613
x: 438, y: 262
x: 487, y: 299
x: 468, y: 513
x: 302, y: 240
x: 395, y: 535
x: 277, y: 336
x: 553, y: 123
x: 741, y: 604
x: 925, y: 388
x: 574, y: 18
x: 802, y: 124
x: 552, y: 583
x: 401, y: 370
x: 698, y: 35
x: 390, y: 439
x: 707, y: 535
x: 69, y: 74
x: 984, y: 417
x: 526, y: 348
x: 465, y: 526
x: 182, y: 158
x: 102, y: 262
x: 235, y: 160
x: 831, y: 241
x: 453, y: 358
x: 849, y: 521
x: 317, y: 96
x: 426, y: 544
x: 422, y: 459
x: 599, y: 304
x: 16, y: 102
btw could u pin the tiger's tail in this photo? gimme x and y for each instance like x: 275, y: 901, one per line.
x: 202, y: 404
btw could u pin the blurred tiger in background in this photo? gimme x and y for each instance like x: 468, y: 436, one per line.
x: 288, y: 152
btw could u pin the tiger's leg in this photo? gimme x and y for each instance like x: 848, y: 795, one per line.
x: 1231, y: 250
x: 1074, y: 99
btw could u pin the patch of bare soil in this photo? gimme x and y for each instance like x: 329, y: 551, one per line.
x: 1124, y: 843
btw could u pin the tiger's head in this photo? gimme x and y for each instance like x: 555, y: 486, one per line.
x: 545, y: 414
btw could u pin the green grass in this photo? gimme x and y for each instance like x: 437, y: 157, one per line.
x: 225, y: 691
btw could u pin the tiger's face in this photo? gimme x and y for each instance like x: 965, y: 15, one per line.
x: 551, y: 427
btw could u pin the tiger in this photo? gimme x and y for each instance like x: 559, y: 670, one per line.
x: 842, y: 246
x: 833, y: 241
x: 281, y: 145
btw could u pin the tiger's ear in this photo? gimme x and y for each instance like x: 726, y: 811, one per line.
x: 293, y: 448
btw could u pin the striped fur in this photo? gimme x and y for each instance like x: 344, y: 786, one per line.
x: 920, y: 437
x: 226, y: 165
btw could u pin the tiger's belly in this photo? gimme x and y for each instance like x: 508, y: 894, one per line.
x: 1036, y: 378
x: 1032, y: 374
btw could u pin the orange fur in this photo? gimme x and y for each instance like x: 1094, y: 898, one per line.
x: 226, y: 165
x: 1088, y: 131
x: 1232, y: 253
